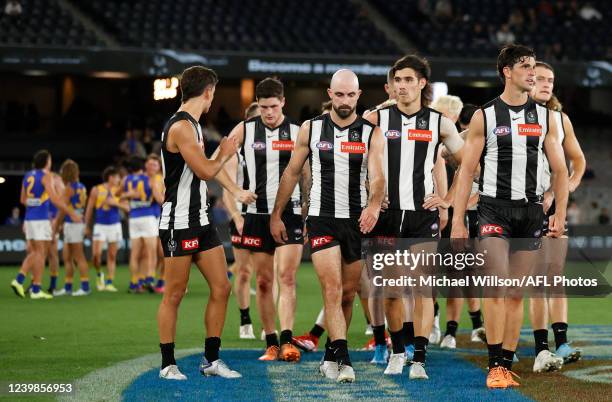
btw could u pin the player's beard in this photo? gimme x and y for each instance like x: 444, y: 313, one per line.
x: 344, y: 111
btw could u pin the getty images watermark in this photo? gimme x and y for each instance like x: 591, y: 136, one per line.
x: 399, y: 267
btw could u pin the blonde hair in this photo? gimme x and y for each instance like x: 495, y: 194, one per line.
x: 449, y: 104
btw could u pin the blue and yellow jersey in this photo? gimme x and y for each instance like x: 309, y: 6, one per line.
x: 78, y: 200
x: 140, y: 206
x: 37, y: 199
x: 106, y: 214
x: 159, y: 179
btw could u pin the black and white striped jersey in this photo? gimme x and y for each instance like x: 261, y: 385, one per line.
x: 186, y: 199
x: 266, y: 152
x: 547, y: 174
x: 512, y: 159
x: 339, y: 165
x: 411, y: 147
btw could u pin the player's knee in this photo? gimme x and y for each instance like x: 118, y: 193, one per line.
x: 264, y: 284
x: 348, y: 299
x: 221, y: 291
x: 287, y: 279
x: 332, y: 294
x: 173, y: 297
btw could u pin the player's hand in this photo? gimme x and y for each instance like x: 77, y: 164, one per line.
x: 435, y: 201
x: 88, y: 232
x: 278, y: 230
x: 246, y: 197
x: 227, y: 148
x: 75, y: 217
x: 385, y: 203
x: 443, y: 218
x: 459, y: 236
x: 368, y: 218
x: 556, y: 225
x: 548, y: 200
x: 239, y: 223
x: 133, y: 194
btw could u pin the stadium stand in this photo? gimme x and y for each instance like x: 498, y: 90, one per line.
x: 318, y: 26
x: 44, y: 23
x: 557, y: 30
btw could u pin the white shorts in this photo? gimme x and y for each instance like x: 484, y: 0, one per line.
x: 74, y: 232
x: 38, y: 230
x: 108, y: 233
x: 144, y: 226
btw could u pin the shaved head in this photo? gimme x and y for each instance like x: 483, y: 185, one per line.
x: 344, y: 79
x: 344, y: 92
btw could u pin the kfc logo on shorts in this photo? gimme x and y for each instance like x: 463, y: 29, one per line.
x: 236, y: 239
x: 530, y: 130
x: 191, y: 244
x: 419, y: 135
x: 282, y: 145
x: 251, y: 241
x: 320, y: 241
x: 491, y: 229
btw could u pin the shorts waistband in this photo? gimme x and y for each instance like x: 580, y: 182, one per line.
x: 508, y: 203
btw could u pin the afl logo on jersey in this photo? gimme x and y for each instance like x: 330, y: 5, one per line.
x: 325, y: 146
x: 259, y: 146
x: 501, y: 131
x: 392, y: 134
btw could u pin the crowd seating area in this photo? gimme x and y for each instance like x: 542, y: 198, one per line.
x: 315, y: 26
x: 43, y: 23
x: 558, y: 30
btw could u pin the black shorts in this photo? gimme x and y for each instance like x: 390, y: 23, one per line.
x: 407, y: 224
x: 518, y: 221
x: 235, y: 237
x: 551, y: 211
x: 387, y: 225
x: 326, y: 232
x: 420, y: 225
x: 256, y: 234
x: 181, y: 242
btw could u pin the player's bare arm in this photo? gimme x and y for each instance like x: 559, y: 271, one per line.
x: 556, y: 160
x: 288, y: 181
x: 474, y: 145
x: 57, y: 199
x: 369, y: 215
x: 181, y: 140
x: 574, y: 153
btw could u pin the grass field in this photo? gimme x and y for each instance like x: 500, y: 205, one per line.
x: 66, y: 338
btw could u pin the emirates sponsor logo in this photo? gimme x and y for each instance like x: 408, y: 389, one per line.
x: 353, y: 147
x: 491, y: 229
x: 191, y: 244
x: 282, y: 145
x: 320, y: 241
x: 251, y: 241
x: 530, y: 130
x: 420, y: 135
